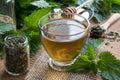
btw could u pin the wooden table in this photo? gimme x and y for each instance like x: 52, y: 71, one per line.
x: 39, y: 70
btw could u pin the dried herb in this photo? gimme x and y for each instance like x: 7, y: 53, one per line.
x: 96, y: 32
x: 113, y: 36
x: 16, y: 51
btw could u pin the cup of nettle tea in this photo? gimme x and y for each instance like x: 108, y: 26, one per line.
x: 63, y: 36
x: 16, y: 54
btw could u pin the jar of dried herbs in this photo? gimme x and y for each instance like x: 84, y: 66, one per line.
x: 16, y: 54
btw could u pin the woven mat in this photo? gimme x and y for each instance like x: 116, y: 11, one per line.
x: 42, y: 71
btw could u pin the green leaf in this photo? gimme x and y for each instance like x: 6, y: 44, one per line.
x: 32, y: 20
x: 6, y: 27
x: 91, y: 53
x: 40, y: 4
x: 55, y: 4
x: 94, y: 66
x: 64, y: 1
x: 99, y: 17
x: 109, y: 65
x: 23, y: 3
x: 85, y: 62
x: 34, y: 40
x: 102, y: 9
x: 110, y: 61
x: 82, y: 63
x: 110, y: 75
x: 115, y: 8
x: 92, y: 57
x: 44, y: 20
x: 116, y: 2
x: 93, y: 42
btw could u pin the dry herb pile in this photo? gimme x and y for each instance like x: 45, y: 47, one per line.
x: 16, y: 55
x: 112, y: 37
x: 96, y: 32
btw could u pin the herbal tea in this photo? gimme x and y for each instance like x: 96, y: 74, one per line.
x: 64, y: 48
x: 63, y: 38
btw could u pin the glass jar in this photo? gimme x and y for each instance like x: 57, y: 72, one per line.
x: 16, y: 54
x: 7, y: 14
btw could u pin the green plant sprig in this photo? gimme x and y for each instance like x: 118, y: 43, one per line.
x: 108, y: 64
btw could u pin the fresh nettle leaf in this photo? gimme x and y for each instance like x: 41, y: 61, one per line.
x: 82, y: 63
x: 34, y: 46
x: 31, y: 21
x: 85, y: 62
x: 91, y: 53
x: 24, y: 3
x: 116, y: 9
x: 63, y: 1
x: 41, y: 4
x: 4, y: 27
x: 109, y: 66
x: 34, y: 42
x: 92, y: 57
x: 54, y: 4
x: 100, y: 17
x: 102, y: 9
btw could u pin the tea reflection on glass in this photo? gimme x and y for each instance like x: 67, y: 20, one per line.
x: 63, y: 38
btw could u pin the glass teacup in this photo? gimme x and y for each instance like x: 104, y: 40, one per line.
x: 63, y: 36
